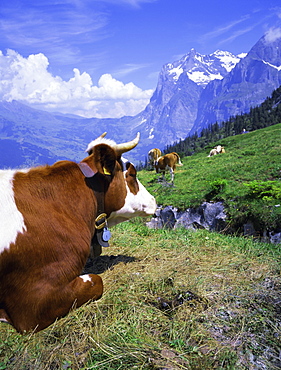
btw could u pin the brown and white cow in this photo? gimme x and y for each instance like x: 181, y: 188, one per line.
x: 153, y: 155
x: 216, y: 150
x: 48, y: 217
x: 168, y: 162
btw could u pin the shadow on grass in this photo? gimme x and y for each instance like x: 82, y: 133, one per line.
x: 102, y: 263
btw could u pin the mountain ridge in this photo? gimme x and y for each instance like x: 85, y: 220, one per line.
x: 247, y: 85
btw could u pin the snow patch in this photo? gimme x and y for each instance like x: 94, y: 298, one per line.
x: 201, y: 78
x: 151, y: 135
x: 242, y: 55
x: 176, y: 72
x: 227, y: 59
x: 273, y: 66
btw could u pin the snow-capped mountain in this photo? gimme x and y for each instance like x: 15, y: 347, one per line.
x: 203, y: 69
x: 247, y: 85
x: 173, y: 108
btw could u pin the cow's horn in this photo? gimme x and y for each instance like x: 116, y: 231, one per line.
x: 125, y: 147
x: 103, y: 135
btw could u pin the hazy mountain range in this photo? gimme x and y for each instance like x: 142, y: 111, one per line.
x: 191, y: 94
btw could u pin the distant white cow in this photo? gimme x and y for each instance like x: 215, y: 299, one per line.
x: 216, y: 150
x: 213, y: 152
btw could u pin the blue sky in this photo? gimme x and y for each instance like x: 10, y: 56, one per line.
x: 102, y: 57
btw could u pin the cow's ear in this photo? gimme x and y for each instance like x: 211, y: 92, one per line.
x: 104, y: 158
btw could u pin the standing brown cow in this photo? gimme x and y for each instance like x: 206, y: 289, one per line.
x: 153, y: 155
x: 168, y: 162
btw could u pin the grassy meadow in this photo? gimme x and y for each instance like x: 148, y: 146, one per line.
x: 246, y: 178
x: 179, y: 299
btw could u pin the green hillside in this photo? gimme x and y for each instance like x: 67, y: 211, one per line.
x: 247, y: 178
x: 265, y: 115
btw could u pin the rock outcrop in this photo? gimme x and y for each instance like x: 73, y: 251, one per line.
x: 209, y: 216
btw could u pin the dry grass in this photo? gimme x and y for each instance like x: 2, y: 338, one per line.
x: 173, y: 300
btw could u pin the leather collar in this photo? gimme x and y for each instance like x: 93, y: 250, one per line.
x: 102, y: 234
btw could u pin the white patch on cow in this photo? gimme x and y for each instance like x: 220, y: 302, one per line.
x: 142, y: 204
x: 4, y: 320
x: 124, y: 161
x: 11, y: 219
x: 100, y: 140
x: 86, y: 278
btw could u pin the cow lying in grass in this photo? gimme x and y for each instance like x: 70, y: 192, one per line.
x: 49, y: 216
x: 216, y: 150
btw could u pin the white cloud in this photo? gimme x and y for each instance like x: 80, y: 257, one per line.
x: 129, y: 68
x: 29, y: 81
x: 273, y: 34
x: 223, y: 29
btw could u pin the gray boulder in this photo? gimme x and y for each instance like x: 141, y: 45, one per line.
x: 209, y: 216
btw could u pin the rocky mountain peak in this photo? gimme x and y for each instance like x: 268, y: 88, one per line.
x: 201, y: 69
x: 268, y: 50
x: 247, y: 85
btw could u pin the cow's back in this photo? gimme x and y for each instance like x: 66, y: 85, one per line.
x: 48, y: 241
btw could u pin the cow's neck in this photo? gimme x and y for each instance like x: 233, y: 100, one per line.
x: 102, y: 234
